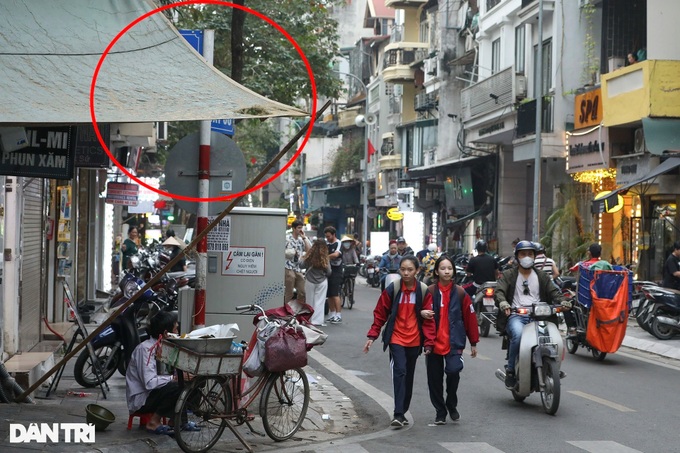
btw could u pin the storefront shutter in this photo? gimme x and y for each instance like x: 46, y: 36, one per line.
x: 32, y: 265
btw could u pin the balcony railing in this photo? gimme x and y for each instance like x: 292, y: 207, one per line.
x: 426, y: 101
x: 488, y: 95
x: 526, y: 117
x: 397, y: 57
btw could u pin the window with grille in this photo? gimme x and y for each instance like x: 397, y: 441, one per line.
x: 496, y: 56
x: 520, y: 46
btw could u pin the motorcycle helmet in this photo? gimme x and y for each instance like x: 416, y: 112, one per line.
x: 524, y: 245
x: 432, y: 247
x: 540, y: 248
x: 481, y: 246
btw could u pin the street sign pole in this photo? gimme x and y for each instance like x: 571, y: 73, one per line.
x: 203, y: 192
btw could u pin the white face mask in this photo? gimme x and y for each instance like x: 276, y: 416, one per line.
x: 526, y: 262
x: 346, y: 245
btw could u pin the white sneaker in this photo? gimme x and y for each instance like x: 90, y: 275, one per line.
x: 331, y: 316
x: 336, y: 320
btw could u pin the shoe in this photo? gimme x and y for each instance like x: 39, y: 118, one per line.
x: 330, y: 317
x: 404, y: 420
x: 323, y: 324
x: 161, y: 429
x: 396, y: 423
x: 440, y: 421
x: 510, y: 381
x: 336, y: 320
x: 190, y: 426
x: 562, y: 374
x: 572, y: 332
x: 455, y: 416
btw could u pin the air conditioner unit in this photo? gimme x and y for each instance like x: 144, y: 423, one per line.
x: 639, y: 143
x: 520, y: 86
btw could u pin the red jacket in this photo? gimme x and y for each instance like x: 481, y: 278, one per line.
x: 464, y: 310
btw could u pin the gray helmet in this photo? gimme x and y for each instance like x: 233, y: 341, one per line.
x: 539, y: 247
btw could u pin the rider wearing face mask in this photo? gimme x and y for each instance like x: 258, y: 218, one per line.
x: 348, y: 250
x: 522, y: 286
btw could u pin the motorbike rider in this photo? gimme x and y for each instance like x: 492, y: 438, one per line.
x: 483, y: 267
x: 522, y: 286
x: 403, y: 248
x: 389, y: 263
x: 544, y: 263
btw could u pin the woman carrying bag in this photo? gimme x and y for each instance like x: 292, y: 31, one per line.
x: 316, y: 278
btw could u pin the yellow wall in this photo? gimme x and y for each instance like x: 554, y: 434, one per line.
x: 408, y: 112
x: 659, y: 95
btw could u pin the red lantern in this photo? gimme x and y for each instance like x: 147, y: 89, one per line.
x: 160, y: 204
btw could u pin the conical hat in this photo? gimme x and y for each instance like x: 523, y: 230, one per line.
x: 347, y: 237
x: 172, y: 240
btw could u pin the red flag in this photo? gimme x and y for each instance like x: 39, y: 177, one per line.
x: 371, y: 150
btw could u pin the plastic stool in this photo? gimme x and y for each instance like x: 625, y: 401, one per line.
x: 143, y: 419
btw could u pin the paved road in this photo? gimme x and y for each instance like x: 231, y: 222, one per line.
x: 625, y: 404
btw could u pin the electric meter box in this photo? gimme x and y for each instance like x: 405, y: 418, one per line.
x: 245, y: 265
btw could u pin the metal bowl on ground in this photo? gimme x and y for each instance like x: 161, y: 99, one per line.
x: 99, y: 416
x: 205, y: 345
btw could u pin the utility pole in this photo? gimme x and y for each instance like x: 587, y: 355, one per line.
x: 539, y: 112
x: 203, y: 192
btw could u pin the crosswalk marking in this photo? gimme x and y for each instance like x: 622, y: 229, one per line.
x: 602, y: 401
x: 354, y: 448
x: 602, y: 446
x: 469, y: 447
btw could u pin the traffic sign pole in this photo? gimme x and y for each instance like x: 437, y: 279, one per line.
x: 203, y: 192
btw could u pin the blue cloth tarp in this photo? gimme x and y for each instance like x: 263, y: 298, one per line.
x: 605, y: 285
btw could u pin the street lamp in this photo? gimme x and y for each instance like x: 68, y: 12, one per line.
x: 361, y: 119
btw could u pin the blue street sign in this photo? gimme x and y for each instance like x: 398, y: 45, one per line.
x: 195, y: 38
x: 223, y: 126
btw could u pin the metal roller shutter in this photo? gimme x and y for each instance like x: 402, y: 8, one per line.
x: 32, y: 265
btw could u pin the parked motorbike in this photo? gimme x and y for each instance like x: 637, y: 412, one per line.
x: 665, y: 319
x: 114, y: 345
x: 372, y: 272
x: 540, y: 355
x: 644, y: 313
x: 485, y: 307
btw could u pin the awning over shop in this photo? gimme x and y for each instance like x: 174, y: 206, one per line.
x: 484, y: 210
x: 661, y: 134
x: 49, y: 52
x: 430, y: 170
x: 665, y: 166
x: 334, y: 196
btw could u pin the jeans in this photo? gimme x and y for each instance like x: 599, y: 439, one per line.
x: 514, y: 329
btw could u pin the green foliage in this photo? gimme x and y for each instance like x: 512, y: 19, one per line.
x: 565, y: 238
x: 347, y: 158
x: 591, y: 65
x: 259, y: 143
x: 271, y: 65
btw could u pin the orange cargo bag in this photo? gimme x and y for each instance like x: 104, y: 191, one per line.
x: 608, y: 316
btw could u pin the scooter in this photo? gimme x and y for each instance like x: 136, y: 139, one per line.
x: 644, y: 313
x: 114, y: 345
x: 540, y: 355
x: 665, y: 319
x: 372, y: 272
x: 485, y: 307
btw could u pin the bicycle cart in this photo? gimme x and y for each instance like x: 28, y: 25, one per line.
x: 219, y: 396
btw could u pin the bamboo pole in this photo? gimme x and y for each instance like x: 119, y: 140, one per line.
x: 174, y: 261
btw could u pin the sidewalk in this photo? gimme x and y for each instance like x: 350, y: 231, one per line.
x: 330, y: 415
x: 637, y: 338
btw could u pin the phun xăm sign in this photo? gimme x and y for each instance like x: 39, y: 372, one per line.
x: 49, y: 154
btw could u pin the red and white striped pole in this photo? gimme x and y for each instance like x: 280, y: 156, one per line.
x: 203, y: 192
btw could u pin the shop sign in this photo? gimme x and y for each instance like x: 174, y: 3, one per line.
x: 584, y: 151
x: 633, y: 168
x: 458, y: 190
x: 394, y: 214
x: 588, y: 109
x: 89, y: 153
x: 121, y: 193
x: 50, y: 154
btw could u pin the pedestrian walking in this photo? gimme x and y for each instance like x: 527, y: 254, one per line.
x: 398, y: 311
x: 316, y: 278
x: 454, y: 315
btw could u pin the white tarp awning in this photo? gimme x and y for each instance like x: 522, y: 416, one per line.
x: 50, y: 49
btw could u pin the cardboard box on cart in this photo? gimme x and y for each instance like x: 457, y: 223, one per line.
x: 245, y: 266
